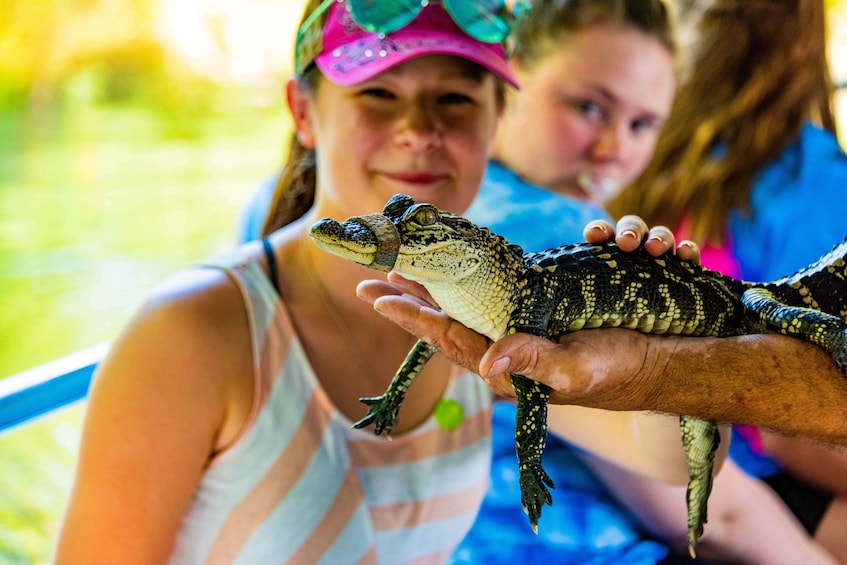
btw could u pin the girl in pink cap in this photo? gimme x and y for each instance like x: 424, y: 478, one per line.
x: 218, y: 428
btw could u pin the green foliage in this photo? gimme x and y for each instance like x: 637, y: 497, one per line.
x: 97, y: 206
x: 36, y: 461
x: 43, y: 41
x: 118, y: 167
x: 59, y: 52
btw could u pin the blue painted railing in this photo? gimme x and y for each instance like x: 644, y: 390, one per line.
x: 43, y: 389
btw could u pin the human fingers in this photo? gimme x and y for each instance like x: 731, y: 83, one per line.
x: 660, y: 240
x: 630, y: 232
x: 460, y: 344
x: 598, y: 231
x: 410, y: 287
x: 572, y: 368
x: 687, y: 250
x: 536, y: 358
x: 370, y: 290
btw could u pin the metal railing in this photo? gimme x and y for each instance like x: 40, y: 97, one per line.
x: 36, y: 392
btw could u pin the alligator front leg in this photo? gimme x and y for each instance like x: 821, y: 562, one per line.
x: 530, y: 439
x: 823, y: 329
x: 383, y: 409
x: 700, y: 439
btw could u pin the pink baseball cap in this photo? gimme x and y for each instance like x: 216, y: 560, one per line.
x: 349, y: 54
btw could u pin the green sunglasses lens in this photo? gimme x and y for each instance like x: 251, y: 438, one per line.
x: 481, y: 19
x: 384, y: 16
x: 484, y: 20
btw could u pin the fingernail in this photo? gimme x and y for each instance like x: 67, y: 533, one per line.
x: 500, y: 366
x: 599, y: 227
x: 629, y: 233
x: 658, y: 238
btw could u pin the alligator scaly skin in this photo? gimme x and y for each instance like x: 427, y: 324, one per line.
x: 493, y: 287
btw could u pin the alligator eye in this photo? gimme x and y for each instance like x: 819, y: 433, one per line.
x: 426, y: 216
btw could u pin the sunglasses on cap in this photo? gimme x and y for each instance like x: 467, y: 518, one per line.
x: 488, y: 21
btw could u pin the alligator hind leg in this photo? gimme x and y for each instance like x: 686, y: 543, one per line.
x: 383, y: 409
x: 530, y: 438
x: 820, y: 328
x: 700, y: 439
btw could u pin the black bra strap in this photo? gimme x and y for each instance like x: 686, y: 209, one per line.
x: 269, y: 254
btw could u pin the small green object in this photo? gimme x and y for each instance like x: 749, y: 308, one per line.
x: 449, y: 414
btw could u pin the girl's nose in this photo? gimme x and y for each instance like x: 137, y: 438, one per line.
x: 419, y: 129
x: 610, y: 142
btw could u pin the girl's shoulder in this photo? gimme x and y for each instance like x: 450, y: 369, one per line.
x: 190, y: 342
x: 207, y: 294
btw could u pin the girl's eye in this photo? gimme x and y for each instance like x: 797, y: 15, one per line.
x: 380, y: 93
x: 455, y: 98
x: 642, y: 125
x: 588, y: 108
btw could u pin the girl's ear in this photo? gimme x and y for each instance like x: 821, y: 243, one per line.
x: 299, y: 106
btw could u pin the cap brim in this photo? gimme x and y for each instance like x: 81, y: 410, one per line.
x: 364, y: 58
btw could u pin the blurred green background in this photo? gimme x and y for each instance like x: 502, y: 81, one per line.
x: 131, y: 133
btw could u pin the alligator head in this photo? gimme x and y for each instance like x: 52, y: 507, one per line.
x: 464, y: 267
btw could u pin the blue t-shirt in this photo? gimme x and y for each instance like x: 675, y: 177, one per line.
x: 797, y: 206
x: 585, y: 524
x: 528, y: 215
x: 252, y: 216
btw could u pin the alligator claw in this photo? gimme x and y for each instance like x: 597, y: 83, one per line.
x: 382, y: 414
x: 534, y: 495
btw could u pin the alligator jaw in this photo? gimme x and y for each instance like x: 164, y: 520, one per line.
x: 370, y: 240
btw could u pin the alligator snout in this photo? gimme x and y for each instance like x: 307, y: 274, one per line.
x: 368, y: 240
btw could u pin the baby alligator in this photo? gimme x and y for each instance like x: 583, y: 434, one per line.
x: 493, y: 287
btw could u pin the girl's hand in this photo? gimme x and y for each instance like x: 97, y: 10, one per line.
x: 631, y: 232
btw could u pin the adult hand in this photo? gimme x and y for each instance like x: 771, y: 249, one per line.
x: 571, y: 367
x: 410, y: 306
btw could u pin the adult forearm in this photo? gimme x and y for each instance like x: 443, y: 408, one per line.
x: 770, y: 381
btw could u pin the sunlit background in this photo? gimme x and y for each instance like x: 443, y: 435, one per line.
x: 131, y: 133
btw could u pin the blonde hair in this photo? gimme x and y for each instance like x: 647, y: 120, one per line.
x: 758, y: 72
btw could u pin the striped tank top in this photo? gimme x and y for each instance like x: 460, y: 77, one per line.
x: 300, y: 486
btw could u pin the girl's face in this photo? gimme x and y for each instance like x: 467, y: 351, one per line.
x: 587, y: 117
x: 424, y: 128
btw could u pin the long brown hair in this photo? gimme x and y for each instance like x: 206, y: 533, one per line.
x: 294, y: 192
x: 758, y: 71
